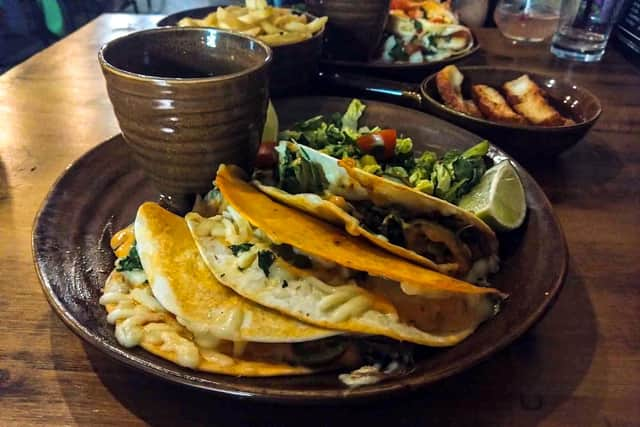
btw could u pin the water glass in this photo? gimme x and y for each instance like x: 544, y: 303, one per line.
x: 527, y: 20
x: 584, y: 29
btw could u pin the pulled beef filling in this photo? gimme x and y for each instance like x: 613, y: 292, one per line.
x: 390, y: 222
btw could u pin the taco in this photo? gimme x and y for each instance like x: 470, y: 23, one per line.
x: 306, y: 268
x: 421, y: 40
x: 409, y: 223
x: 162, y: 297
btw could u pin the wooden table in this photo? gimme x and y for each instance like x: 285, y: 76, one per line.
x: 579, y: 367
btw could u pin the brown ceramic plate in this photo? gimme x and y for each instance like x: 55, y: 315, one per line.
x: 101, y: 191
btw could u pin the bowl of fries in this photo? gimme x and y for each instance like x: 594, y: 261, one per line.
x: 295, y: 38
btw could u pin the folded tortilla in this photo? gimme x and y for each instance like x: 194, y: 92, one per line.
x: 176, y: 309
x: 141, y: 320
x: 434, y: 232
x: 437, y: 40
x: 346, y: 283
x: 183, y: 284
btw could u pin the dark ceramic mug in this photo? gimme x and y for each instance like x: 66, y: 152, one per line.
x: 355, y: 28
x: 187, y: 100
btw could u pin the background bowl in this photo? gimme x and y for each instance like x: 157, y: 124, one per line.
x: 525, y: 142
x: 294, y: 66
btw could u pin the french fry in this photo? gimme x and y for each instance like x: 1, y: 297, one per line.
x: 295, y: 27
x: 253, y: 31
x: 284, y: 38
x: 269, y: 28
x: 227, y: 21
x: 188, y: 22
x: 283, y: 20
x: 236, y: 10
x: 261, y: 14
x: 256, y: 4
x: 211, y: 20
x: 274, y: 25
x: 317, y: 24
x: 254, y: 17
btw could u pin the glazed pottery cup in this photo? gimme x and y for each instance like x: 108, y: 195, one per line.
x: 355, y: 28
x: 187, y: 100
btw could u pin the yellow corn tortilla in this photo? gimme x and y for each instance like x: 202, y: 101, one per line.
x: 175, y: 343
x: 185, y: 286
x: 323, y: 296
x: 419, y: 305
x: 348, y: 184
x: 284, y: 224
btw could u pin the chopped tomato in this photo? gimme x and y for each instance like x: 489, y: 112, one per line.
x: 411, y: 48
x: 376, y: 143
x: 266, y: 157
x: 401, y: 4
x: 415, y: 13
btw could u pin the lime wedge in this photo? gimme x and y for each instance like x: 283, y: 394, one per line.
x: 270, y: 130
x: 498, y: 199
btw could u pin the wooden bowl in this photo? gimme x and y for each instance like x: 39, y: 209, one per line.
x: 294, y: 66
x: 525, y: 142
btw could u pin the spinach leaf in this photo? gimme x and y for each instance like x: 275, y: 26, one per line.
x: 130, y: 262
x: 297, y: 173
x: 397, y: 52
x: 265, y: 260
x: 242, y: 247
x: 456, y: 173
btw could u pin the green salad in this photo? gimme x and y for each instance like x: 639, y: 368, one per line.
x: 387, y: 153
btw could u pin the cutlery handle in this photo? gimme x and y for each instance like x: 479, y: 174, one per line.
x: 359, y: 85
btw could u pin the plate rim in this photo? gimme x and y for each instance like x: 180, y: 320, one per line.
x: 288, y: 396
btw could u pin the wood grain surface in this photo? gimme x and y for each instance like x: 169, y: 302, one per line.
x: 579, y: 367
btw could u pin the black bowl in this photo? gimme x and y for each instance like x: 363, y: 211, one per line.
x: 294, y: 66
x: 525, y: 142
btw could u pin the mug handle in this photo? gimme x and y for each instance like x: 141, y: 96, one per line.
x: 386, y: 90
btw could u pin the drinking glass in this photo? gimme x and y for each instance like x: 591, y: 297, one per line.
x: 527, y: 20
x: 584, y: 29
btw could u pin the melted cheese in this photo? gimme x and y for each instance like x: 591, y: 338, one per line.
x: 123, y: 241
x: 305, y: 295
x: 139, y: 317
x: 139, y: 320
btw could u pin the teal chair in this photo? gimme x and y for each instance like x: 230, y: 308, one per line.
x: 54, y: 17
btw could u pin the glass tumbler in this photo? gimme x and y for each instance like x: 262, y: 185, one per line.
x: 527, y: 20
x: 584, y: 29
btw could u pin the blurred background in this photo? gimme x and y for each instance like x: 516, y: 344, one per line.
x: 28, y: 26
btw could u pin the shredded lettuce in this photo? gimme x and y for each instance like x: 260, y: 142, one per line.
x: 352, y: 115
x: 297, y: 173
x: 449, y: 177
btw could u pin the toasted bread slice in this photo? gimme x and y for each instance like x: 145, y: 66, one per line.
x: 493, y: 105
x: 472, y: 108
x: 449, y: 83
x: 526, y: 97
